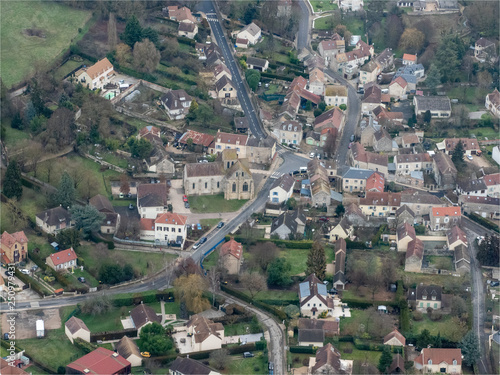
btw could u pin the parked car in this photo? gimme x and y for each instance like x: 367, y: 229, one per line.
x: 186, y: 204
x: 130, y: 206
x: 198, y: 226
x: 220, y: 225
x: 203, y: 240
x: 324, y: 219
x: 146, y: 354
x: 495, y: 283
x: 185, y: 198
x: 352, y: 138
x: 311, y: 155
x: 196, y: 245
x: 81, y: 279
x: 470, y: 157
x: 25, y: 271
x: 34, y: 268
x: 248, y: 355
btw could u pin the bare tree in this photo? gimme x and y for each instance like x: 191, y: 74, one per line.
x: 34, y: 154
x: 146, y: 56
x: 112, y: 37
x: 219, y: 359
x: 124, y: 185
x: 263, y: 254
x: 254, y: 282
x: 213, y: 277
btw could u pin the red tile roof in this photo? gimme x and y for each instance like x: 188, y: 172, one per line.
x: 233, y: 248
x: 150, y: 130
x: 9, y: 240
x: 232, y: 139
x: 101, y: 361
x: 64, y: 256
x: 99, y: 68
x: 170, y: 218
x: 446, y: 211
x: 409, y: 57
x: 198, y: 138
x: 397, y: 335
x: 405, y: 230
x: 147, y: 224
x: 456, y: 234
x: 381, y: 199
x: 492, y: 179
x: 333, y: 116
x: 468, y: 143
x: 438, y: 356
x: 400, y: 81
x: 375, y: 182
x: 7, y: 369
x: 415, y: 248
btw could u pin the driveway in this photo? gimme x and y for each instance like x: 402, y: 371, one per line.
x: 176, y: 194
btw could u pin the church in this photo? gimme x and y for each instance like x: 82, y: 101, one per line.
x: 229, y: 175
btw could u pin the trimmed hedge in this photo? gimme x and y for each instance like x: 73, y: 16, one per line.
x: 277, y: 76
x: 33, y: 284
x: 303, y: 349
x: 233, y: 350
x: 354, y: 244
x: 482, y: 221
x: 264, y: 306
x: 356, y: 304
x: 286, y: 243
x: 281, y: 302
x: 85, y: 346
x: 136, y: 74
x: 113, y: 335
x: 75, y: 50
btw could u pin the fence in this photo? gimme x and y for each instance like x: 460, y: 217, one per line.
x: 113, y: 335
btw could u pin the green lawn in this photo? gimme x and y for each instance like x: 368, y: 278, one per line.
x: 297, y: 258
x: 355, y: 26
x: 68, y: 67
x: 57, y: 23
x: 444, y: 327
x: 211, y: 260
x: 89, y: 279
x: 209, y: 222
x: 323, y: 23
x: 214, y: 203
x: 13, y: 136
x: 323, y: 5
x: 444, y: 263
x: 240, y: 365
x: 482, y: 133
x: 106, y: 322
x: 237, y: 329
x: 361, y: 355
x: 170, y: 307
x: 31, y: 203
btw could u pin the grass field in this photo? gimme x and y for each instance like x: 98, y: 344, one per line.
x: 243, y: 366
x: 58, y: 25
x: 31, y: 203
x: 214, y: 203
x: 444, y: 263
x: 68, y: 67
x: 323, y: 5
x: 13, y: 136
x: 323, y: 23
x: 209, y: 222
x: 445, y: 327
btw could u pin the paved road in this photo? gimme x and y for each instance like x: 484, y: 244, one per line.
x: 208, y: 8
x: 473, y: 230
x: 303, y: 35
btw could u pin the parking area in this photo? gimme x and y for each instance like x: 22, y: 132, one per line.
x: 479, y: 161
x: 176, y: 194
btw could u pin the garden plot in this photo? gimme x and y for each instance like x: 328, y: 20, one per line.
x: 146, y: 102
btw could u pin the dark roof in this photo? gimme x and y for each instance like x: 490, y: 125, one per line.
x: 373, y: 94
x: 187, y: 27
x: 286, y: 182
x: 55, y: 216
x: 397, y: 366
x: 74, y: 324
x: 444, y: 163
x: 151, y: 195
x: 357, y: 173
x: 174, y: 98
x: 472, y: 185
x: 419, y: 197
x: 102, y: 203
x: 425, y: 290
x: 204, y: 327
x: 385, y: 56
x: 461, y: 254
x: 328, y: 355
x: 241, y: 122
x: 433, y: 103
x: 311, y: 335
x: 100, y: 361
x: 404, y: 208
x: 256, y: 61
x: 204, y: 169
x: 143, y: 314
x: 329, y: 327
x: 127, y: 347
x: 222, y: 82
x: 405, y: 230
x: 456, y: 234
x: 286, y: 220
x: 188, y: 366
x: 415, y: 249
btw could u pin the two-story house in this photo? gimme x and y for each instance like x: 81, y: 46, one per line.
x: 14, y: 247
x: 407, y: 163
x: 414, y: 256
x: 314, y: 299
x: 250, y: 32
x: 97, y: 75
x: 359, y: 158
x: 329, y: 49
x: 289, y: 132
x: 475, y: 187
x: 231, y: 253
x: 444, y: 171
x: 369, y: 72
x: 54, y: 220
x: 455, y: 237
x: 204, y: 334
x: 104, y: 206
x: 354, y: 180
x: 382, y: 141
x: 409, y: 59
x: 328, y: 361
x: 439, y: 361
x: 187, y: 29
x: 177, y: 103
x: 482, y: 206
x: 258, y: 64
x: 443, y: 218
x: 492, y: 182
x: 420, y: 202
x: 152, y: 199
x: 492, y: 103
x: 335, y: 95
x: 317, y: 81
x: 282, y: 189
x: 398, y: 88
x: 380, y: 204
x: 333, y: 118
x: 425, y: 296
x: 405, y: 233
x: 171, y: 228
x: 62, y: 260
x: 226, y: 90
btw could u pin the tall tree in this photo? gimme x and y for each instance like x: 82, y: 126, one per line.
x: 124, y: 185
x: 112, y: 36
x: 12, y: 186
x: 87, y: 219
x: 153, y: 339
x: 68, y: 238
x: 316, y: 261
x: 254, y: 282
x: 263, y: 254
x: 146, y: 56
x: 253, y: 78
x: 488, y: 254
x: 66, y: 193
x: 60, y: 130
x: 470, y: 348
x: 189, y: 289
x: 219, y: 359
x: 278, y: 273
x: 424, y: 339
x: 433, y: 78
x: 385, y: 360
x: 449, y: 57
x: 133, y: 32
x: 393, y: 30
x: 412, y: 40
x: 457, y: 157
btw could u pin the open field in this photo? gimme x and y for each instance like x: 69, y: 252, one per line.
x: 13, y: 136
x: 240, y: 365
x: 68, y: 67
x: 214, y: 203
x: 37, y: 32
x: 323, y: 5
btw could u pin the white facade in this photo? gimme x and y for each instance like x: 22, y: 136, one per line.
x: 81, y: 333
x: 278, y: 194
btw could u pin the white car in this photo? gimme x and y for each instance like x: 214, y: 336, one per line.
x: 470, y: 157
x: 196, y: 245
x: 25, y: 271
x: 312, y: 155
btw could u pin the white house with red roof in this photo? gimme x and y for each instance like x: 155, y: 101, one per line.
x: 409, y: 59
x: 231, y: 254
x: 398, y: 88
x: 439, y: 361
x: 492, y: 182
x: 62, y: 260
x: 314, y: 299
x: 97, y: 75
x: 171, y: 228
x: 443, y: 218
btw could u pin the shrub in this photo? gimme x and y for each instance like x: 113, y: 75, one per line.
x: 435, y: 316
x: 418, y: 316
x: 303, y: 349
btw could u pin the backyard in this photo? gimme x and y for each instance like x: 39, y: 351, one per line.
x: 214, y: 203
x: 39, y: 32
x: 444, y: 263
x: 323, y: 5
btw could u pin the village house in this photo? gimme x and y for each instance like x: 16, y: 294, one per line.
x: 214, y: 56
x: 204, y: 334
x: 97, y: 75
x: 380, y: 204
x: 486, y: 207
x: 177, y: 103
x: 220, y: 70
x: 425, y: 296
x: 152, y: 199
x: 225, y: 89
x: 359, y: 158
x: 282, y: 189
x: 375, y: 182
x: 314, y: 300
x: 368, y: 132
x: 483, y: 48
x: 438, y: 106
x: 398, y: 88
x: 289, y: 132
x: 414, y: 256
x: 231, y: 253
x: 407, y: 163
x: 142, y: 315
x: 443, y: 218
x: 62, y: 260
x: 385, y: 59
x: 405, y: 215
x: 444, y: 171
x: 420, y: 202
x: 395, y: 338
x: 100, y: 361
x: 128, y: 349
x: 188, y: 366
x: 329, y: 49
x: 76, y: 328
x: 150, y: 133
x: 492, y: 182
x: 182, y: 14
x: 461, y: 259
x: 104, y: 206
x: 369, y: 72
x: 258, y: 64
x: 317, y: 81
x: 385, y: 116
x: 328, y: 361
x: 397, y: 366
x: 312, y: 332
x: 455, y: 237
x: 475, y: 187
x: 334, y: 118
x: 373, y: 97
x: 285, y: 226
x: 260, y: 150
x: 161, y: 165
x: 382, y: 141
x: 339, y: 280
x: 492, y: 103
x: 241, y: 124
x: 242, y: 43
x: 335, y: 95
x: 439, y: 361
x: 409, y: 59
x: 250, y: 32
x: 187, y: 29
x: 201, y: 139
x: 54, y: 220
x: 14, y: 247
x: 297, y: 96
x: 167, y: 228
x: 405, y: 234
x: 471, y: 145
x: 410, y: 140
x: 354, y: 179
x: 341, y: 230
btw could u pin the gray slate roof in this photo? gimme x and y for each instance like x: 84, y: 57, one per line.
x: 433, y: 103
x: 357, y: 173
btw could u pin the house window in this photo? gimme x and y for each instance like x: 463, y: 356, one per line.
x: 218, y: 183
x: 245, y: 187
x: 234, y: 187
x: 158, y: 228
x: 166, y: 229
x: 179, y: 230
x: 308, y: 305
x: 193, y: 185
x: 275, y: 193
x: 206, y: 185
x: 435, y: 305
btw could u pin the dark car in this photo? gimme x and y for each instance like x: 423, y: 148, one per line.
x: 203, y: 240
x: 130, y: 206
x: 186, y: 204
x: 495, y: 283
x: 324, y: 219
x: 220, y: 225
x: 81, y: 279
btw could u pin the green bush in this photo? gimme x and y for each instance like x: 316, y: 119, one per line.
x: 272, y: 75
x: 37, y: 288
x: 354, y: 244
x: 303, y: 349
x: 85, y: 346
x: 482, y: 221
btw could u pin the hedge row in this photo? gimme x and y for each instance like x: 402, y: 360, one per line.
x: 185, y: 40
x: 85, y: 346
x: 136, y: 74
x: 277, y: 76
x: 75, y: 50
x: 233, y: 350
x: 147, y: 297
x: 354, y: 244
x: 264, y: 306
x: 303, y: 349
x: 281, y: 302
x: 482, y: 221
x: 287, y: 244
x: 113, y: 335
x: 34, y: 285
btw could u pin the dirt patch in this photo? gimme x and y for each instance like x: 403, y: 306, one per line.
x: 39, y: 33
x: 95, y: 42
x: 365, y: 292
x: 25, y: 327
